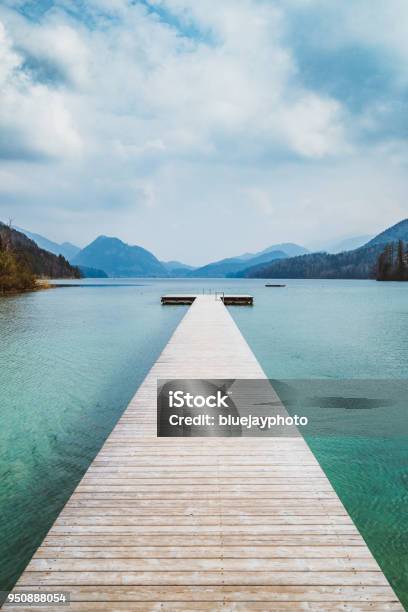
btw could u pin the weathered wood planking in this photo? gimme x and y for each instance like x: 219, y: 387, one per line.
x: 205, y: 523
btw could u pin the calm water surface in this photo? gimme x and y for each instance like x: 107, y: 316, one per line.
x: 71, y: 359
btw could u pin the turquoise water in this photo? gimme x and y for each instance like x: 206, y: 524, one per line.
x: 348, y: 330
x: 71, y: 359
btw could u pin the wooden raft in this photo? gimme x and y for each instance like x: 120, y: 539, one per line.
x: 228, y: 524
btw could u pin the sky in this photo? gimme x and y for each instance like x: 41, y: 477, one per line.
x: 201, y: 129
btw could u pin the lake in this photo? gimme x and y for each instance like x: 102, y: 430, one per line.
x: 71, y: 358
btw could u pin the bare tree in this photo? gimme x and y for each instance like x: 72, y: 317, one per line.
x: 7, y: 238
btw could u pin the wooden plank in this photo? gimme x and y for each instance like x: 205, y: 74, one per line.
x: 186, y: 564
x: 204, y: 578
x: 245, y: 527
x: 115, y: 517
x: 133, y: 518
x: 208, y: 540
x: 205, y: 523
x: 202, y: 552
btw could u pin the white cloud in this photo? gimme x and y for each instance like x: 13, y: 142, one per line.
x: 139, y: 81
x: 314, y: 127
x: 34, y: 118
x: 9, y: 59
x: 189, y: 108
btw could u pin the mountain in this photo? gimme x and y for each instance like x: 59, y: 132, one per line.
x: 171, y: 265
x: 177, y: 269
x: 66, y: 249
x: 289, y: 248
x: 232, y: 265
x: 399, y: 231
x: 22, y: 261
x: 350, y: 244
x: 119, y: 259
x: 396, y: 232
x: 358, y: 263
x: 220, y: 269
x: 345, y: 244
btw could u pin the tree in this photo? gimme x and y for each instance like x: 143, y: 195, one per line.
x: 382, y: 266
x: 401, y: 264
x: 15, y: 275
x: 392, y: 264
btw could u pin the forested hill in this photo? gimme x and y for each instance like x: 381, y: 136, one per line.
x: 396, y: 232
x: 22, y: 261
x: 360, y: 263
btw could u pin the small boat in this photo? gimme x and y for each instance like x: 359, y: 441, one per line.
x: 269, y: 285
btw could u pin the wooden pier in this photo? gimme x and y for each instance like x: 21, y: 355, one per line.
x: 216, y: 524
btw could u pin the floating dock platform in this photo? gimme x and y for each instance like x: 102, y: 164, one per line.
x: 228, y: 300
x: 216, y: 524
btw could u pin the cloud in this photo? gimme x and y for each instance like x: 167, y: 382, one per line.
x: 34, y: 120
x: 357, y: 53
x: 121, y: 110
x: 132, y: 77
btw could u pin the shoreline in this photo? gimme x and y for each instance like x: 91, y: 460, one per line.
x: 40, y: 285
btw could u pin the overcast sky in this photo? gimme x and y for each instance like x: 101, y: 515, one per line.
x: 201, y: 129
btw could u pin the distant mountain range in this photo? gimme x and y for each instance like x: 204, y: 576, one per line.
x: 356, y: 263
x: 338, y: 246
x: 225, y: 267
x: 359, y: 263
x: 177, y: 269
x: 289, y: 248
x: 232, y: 265
x: 176, y: 265
x: 66, y: 249
x: 109, y: 256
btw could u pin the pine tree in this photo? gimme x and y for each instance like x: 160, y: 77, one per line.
x: 392, y: 264
x: 400, y: 268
